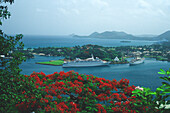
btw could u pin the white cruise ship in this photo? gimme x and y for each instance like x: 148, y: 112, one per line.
x: 136, y: 61
x: 89, y: 62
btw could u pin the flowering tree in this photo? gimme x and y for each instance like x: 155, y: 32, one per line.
x: 72, y: 92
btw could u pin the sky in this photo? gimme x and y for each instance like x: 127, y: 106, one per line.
x: 83, y: 17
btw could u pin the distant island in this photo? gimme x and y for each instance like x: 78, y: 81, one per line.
x: 125, y: 41
x: 160, y: 50
x: 122, y: 35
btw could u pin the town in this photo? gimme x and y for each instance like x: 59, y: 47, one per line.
x: 113, y: 54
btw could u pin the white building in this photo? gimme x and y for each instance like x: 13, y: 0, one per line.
x: 116, y: 59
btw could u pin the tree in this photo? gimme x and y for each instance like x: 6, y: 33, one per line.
x: 9, y: 62
x: 71, y: 92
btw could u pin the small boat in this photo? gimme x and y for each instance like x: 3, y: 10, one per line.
x: 89, y: 62
x: 136, y: 61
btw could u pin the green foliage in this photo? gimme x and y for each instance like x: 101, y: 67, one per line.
x: 157, y: 99
x: 11, y: 82
x: 82, y: 52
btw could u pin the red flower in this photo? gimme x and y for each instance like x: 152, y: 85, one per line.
x: 80, y: 78
x: 100, y: 108
x: 123, y: 96
x: 89, y: 89
x: 118, y: 103
x: 93, y: 93
x: 49, y: 96
x: 23, y: 92
x: 48, y: 108
x: 46, y: 101
x: 37, y: 86
x: 59, y: 96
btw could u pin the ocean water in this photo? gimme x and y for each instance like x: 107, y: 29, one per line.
x: 68, y: 41
x: 140, y: 75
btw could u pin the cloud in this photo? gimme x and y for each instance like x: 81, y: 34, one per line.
x: 76, y: 11
x: 143, y: 4
x: 161, y: 12
x: 150, y: 8
x: 99, y: 3
x: 62, y: 11
x: 94, y: 15
x: 80, y: 6
x: 40, y: 10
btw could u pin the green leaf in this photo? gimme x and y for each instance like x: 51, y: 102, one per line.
x: 162, y: 72
x: 165, y: 83
x: 168, y: 72
x: 167, y: 90
x: 89, y: 108
x: 159, y: 89
x: 152, y: 93
x: 164, y: 78
x: 95, y: 109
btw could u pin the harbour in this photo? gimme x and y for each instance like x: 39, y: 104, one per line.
x: 145, y: 75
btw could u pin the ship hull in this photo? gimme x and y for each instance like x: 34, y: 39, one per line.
x: 136, y: 62
x: 83, y: 65
x: 133, y: 64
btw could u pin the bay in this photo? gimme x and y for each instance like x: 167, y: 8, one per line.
x: 145, y: 75
x: 140, y: 75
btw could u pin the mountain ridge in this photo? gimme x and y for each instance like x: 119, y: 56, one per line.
x: 165, y: 35
x: 126, y: 36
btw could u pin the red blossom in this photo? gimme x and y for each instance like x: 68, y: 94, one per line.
x: 46, y: 101
x: 118, y: 103
x: 79, y: 86
x: 90, y: 90
x: 80, y: 78
x: 59, y: 96
x: 48, y: 108
x: 23, y: 92
x: 49, y: 96
x: 100, y: 108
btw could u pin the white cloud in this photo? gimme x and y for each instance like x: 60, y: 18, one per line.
x: 62, y: 11
x: 144, y: 4
x: 161, y: 12
x: 100, y: 3
x: 76, y: 11
x: 149, y: 8
x: 39, y: 10
x: 94, y: 15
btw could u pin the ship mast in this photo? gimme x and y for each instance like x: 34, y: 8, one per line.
x: 92, y: 56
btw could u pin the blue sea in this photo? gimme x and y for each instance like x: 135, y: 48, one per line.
x: 140, y: 75
x: 69, y: 41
